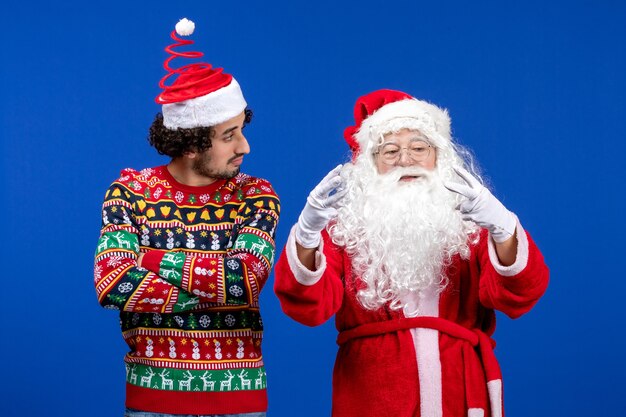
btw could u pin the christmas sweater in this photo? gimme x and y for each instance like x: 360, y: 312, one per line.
x: 435, y: 357
x: 190, y: 313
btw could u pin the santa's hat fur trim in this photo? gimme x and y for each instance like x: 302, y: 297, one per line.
x: 412, y: 114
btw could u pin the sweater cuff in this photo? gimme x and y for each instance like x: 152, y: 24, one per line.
x: 152, y: 260
x: 302, y: 274
x: 521, y: 257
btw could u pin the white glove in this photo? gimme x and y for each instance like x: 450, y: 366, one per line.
x: 320, y: 209
x: 483, y: 208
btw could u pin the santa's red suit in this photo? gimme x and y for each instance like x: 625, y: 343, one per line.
x: 439, y: 362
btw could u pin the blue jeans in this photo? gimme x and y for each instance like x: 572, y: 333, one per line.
x: 137, y: 413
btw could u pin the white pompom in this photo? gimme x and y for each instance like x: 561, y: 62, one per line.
x: 185, y: 27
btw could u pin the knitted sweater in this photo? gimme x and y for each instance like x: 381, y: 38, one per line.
x: 190, y: 314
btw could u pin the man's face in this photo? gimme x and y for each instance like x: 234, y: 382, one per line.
x: 405, y: 148
x: 228, y: 146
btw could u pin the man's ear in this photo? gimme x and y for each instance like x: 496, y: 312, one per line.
x: 190, y: 155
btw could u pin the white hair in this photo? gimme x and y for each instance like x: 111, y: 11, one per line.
x: 401, y: 235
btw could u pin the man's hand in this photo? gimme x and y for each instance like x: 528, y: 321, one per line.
x: 483, y: 208
x: 139, y: 259
x: 319, y: 210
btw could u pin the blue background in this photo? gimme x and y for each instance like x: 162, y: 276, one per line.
x: 536, y: 89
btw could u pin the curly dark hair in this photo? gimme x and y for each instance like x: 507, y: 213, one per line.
x: 175, y: 142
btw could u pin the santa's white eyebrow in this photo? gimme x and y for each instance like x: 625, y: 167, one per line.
x: 415, y: 139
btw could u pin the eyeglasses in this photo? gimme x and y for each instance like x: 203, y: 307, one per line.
x: 390, y: 153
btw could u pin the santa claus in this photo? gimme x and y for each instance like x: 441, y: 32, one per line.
x: 413, y: 255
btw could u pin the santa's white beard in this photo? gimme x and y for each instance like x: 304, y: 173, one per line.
x: 400, y: 235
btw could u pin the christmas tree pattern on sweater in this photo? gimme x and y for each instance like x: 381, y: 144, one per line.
x: 190, y: 314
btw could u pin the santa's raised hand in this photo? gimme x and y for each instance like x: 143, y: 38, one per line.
x: 320, y: 209
x: 481, y: 207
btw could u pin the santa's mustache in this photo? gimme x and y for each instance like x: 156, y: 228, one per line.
x: 398, y: 173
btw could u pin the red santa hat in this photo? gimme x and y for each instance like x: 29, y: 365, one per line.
x: 385, y: 111
x: 200, y: 95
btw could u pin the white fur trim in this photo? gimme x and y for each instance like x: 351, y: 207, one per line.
x: 475, y: 412
x: 427, y: 355
x: 495, y: 397
x: 303, y: 275
x: 208, y: 110
x: 412, y: 114
x: 429, y: 371
x: 521, y: 258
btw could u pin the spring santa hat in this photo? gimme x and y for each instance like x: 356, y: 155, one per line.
x: 200, y: 95
x: 385, y: 111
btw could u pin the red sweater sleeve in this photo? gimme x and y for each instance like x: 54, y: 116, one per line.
x: 237, y: 276
x: 119, y: 283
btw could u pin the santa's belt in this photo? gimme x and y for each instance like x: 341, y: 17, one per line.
x: 477, y: 368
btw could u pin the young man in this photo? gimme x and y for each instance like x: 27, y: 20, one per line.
x: 412, y: 254
x: 185, y: 250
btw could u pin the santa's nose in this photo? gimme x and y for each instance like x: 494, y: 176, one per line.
x: 405, y: 160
